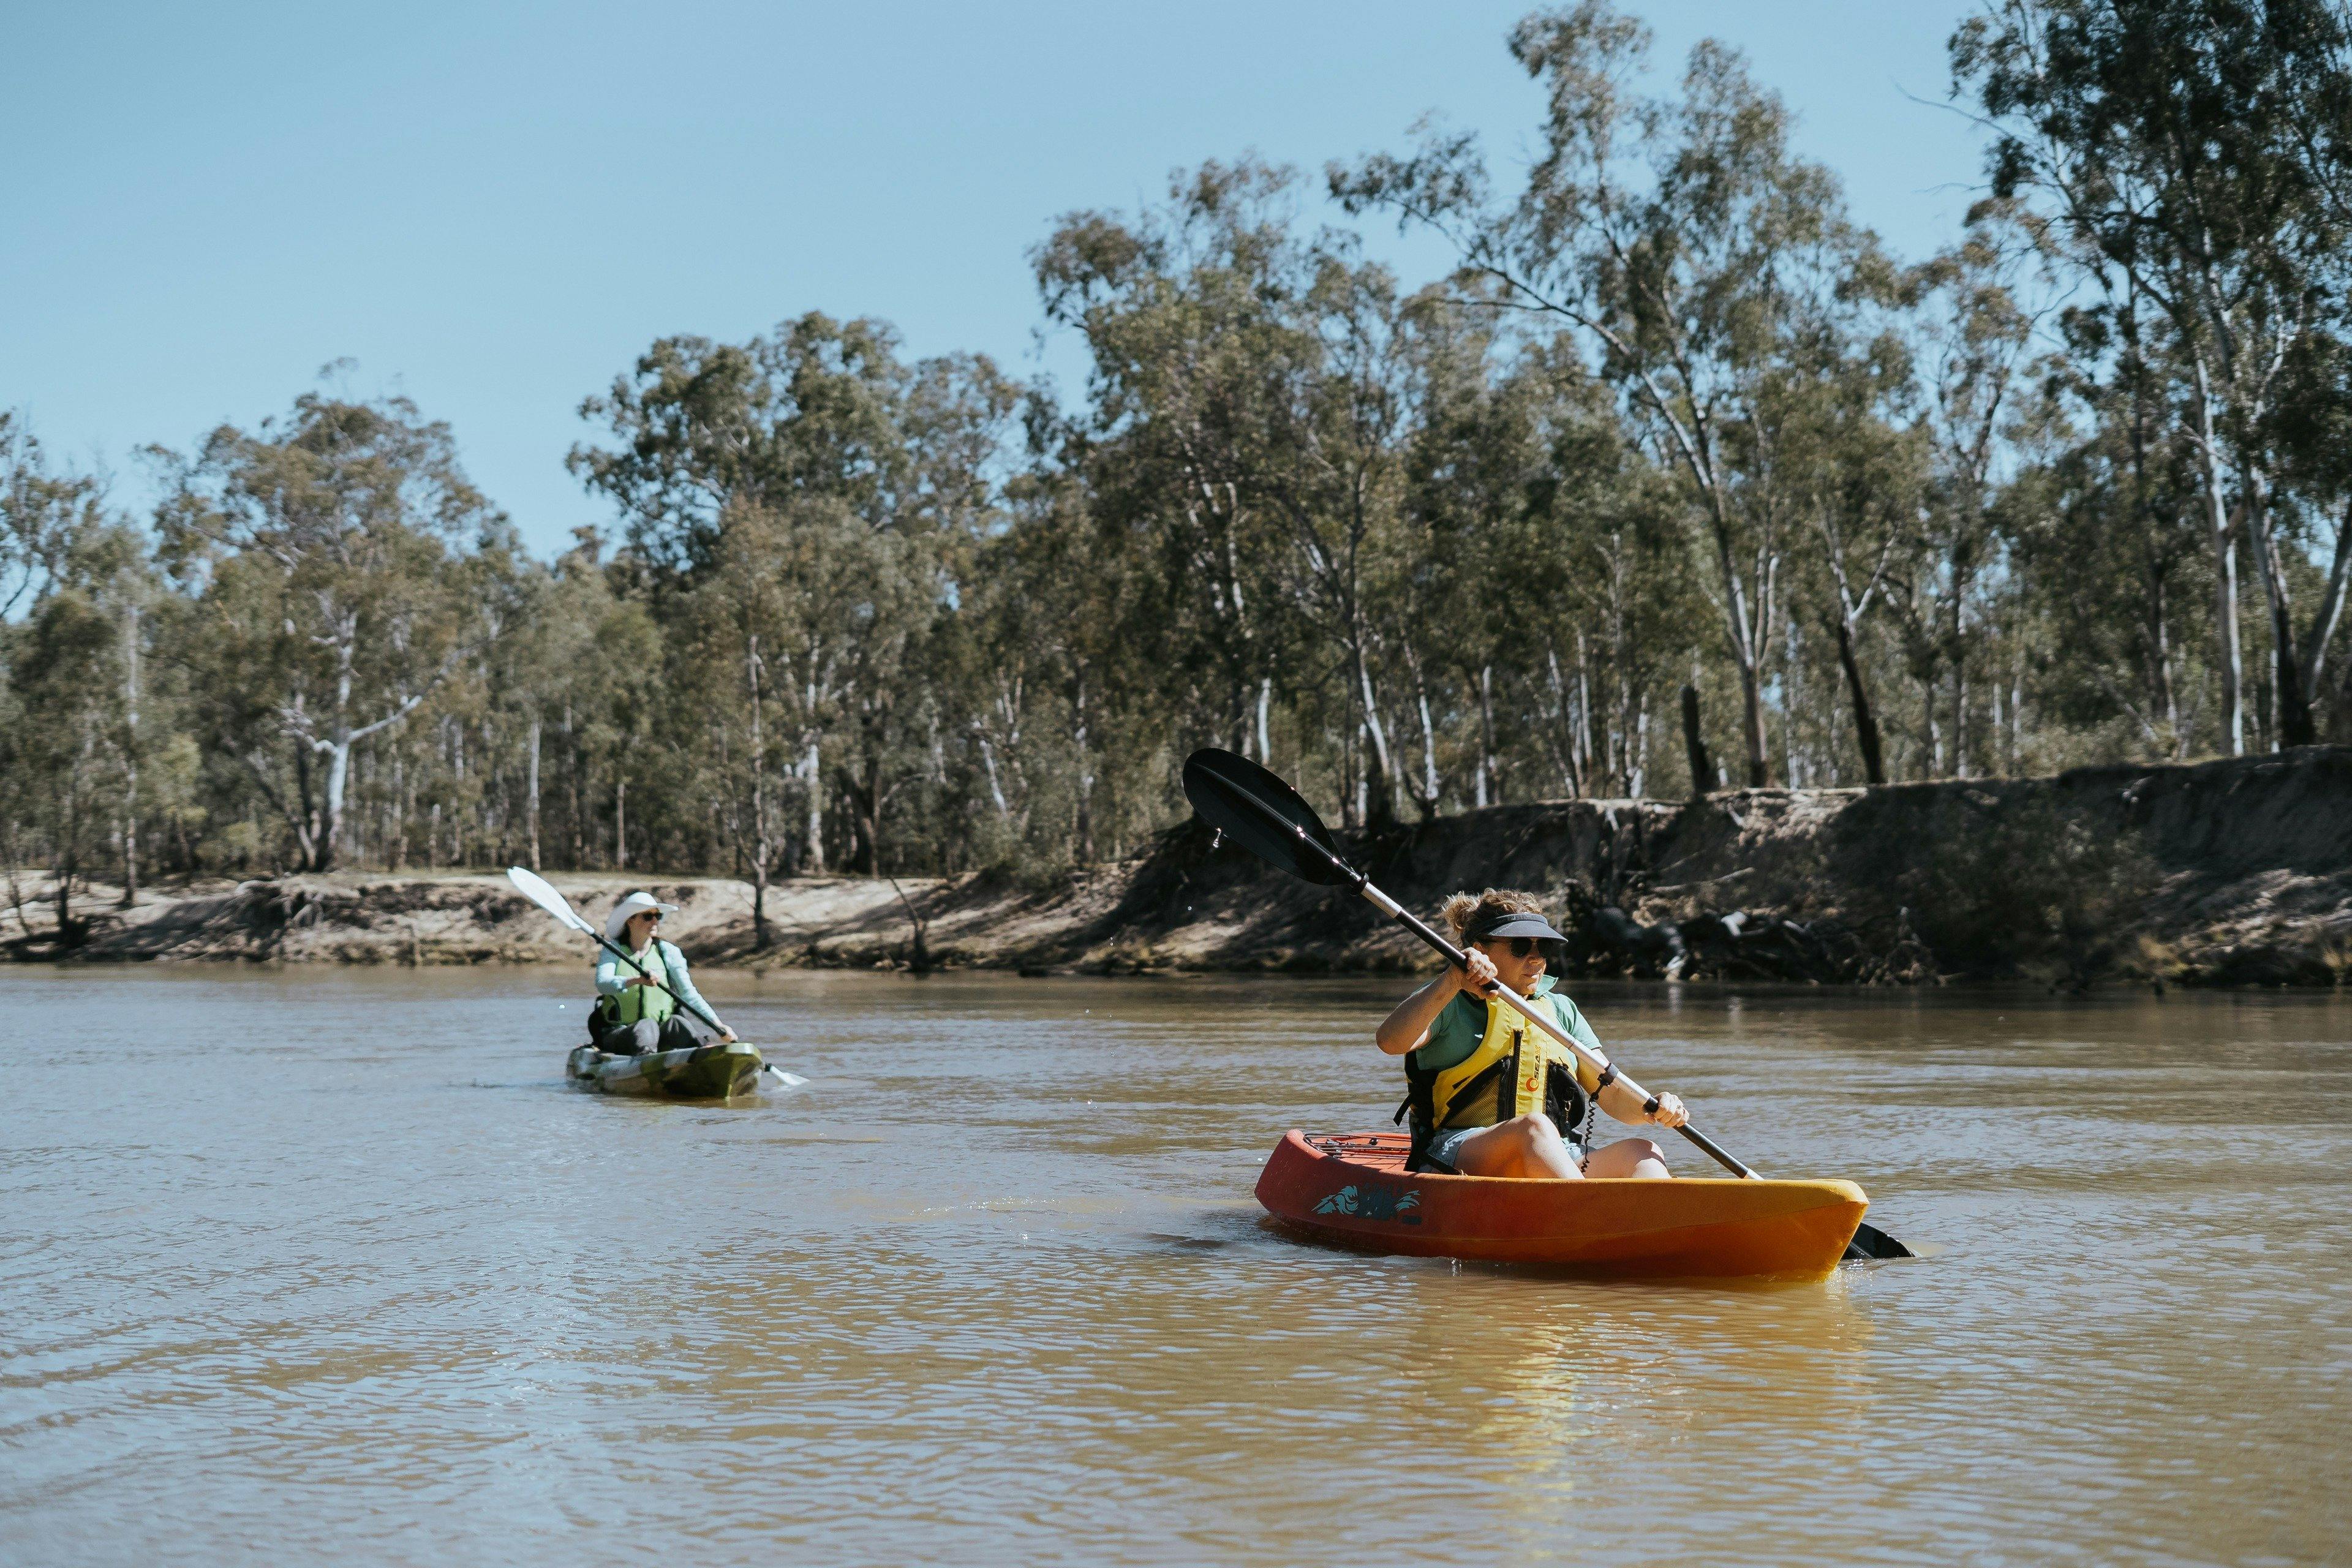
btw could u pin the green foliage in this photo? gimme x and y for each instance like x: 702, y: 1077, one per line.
x: 1672, y: 421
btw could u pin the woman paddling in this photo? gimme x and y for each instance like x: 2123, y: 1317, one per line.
x: 1490, y: 1094
x: 634, y: 1015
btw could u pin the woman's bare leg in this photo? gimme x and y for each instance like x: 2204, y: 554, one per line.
x: 1634, y: 1157
x: 1528, y: 1146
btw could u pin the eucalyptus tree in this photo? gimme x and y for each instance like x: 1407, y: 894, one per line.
x: 2180, y: 151
x: 1189, y: 313
x: 2109, y: 531
x: 43, y: 512
x: 1252, y: 397
x: 1697, y: 258
x: 858, y: 481
x: 1473, y: 464
x: 64, y: 679
x: 1973, y: 342
x: 1553, y: 569
x: 1337, y: 490
x: 1050, y: 620
x: 328, y: 548
x: 1864, y: 466
x: 2111, y: 557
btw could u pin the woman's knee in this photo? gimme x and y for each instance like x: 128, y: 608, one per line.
x: 1535, y: 1131
x: 1628, y: 1157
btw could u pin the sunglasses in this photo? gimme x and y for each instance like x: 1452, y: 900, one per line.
x: 1552, y: 949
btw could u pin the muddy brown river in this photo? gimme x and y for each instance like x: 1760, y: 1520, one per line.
x: 330, y: 1266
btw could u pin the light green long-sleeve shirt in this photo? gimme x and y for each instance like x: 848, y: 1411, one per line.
x: 612, y: 975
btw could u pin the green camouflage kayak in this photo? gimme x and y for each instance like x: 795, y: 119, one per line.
x: 720, y: 1071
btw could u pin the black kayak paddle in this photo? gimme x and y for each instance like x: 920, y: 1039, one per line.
x: 1258, y: 811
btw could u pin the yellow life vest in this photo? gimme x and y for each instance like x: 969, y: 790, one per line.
x: 1516, y: 1069
x: 637, y: 1002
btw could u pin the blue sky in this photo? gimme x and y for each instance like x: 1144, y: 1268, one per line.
x: 493, y: 207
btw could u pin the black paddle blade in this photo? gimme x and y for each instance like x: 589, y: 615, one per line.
x: 1263, y: 815
x: 1870, y: 1242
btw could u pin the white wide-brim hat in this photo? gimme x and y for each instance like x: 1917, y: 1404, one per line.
x: 635, y: 903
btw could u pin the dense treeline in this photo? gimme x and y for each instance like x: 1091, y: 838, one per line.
x: 1679, y: 480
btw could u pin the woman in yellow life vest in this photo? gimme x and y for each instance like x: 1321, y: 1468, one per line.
x: 634, y: 1015
x: 1490, y: 1094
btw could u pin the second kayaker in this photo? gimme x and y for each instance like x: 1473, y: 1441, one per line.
x: 634, y: 1015
x: 1472, y: 1064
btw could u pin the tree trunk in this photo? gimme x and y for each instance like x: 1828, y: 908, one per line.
x: 404, y: 806
x: 330, y: 822
x: 815, y: 783
x: 762, y: 851
x: 1082, y: 847
x: 1580, y: 738
x: 2166, y: 702
x: 2296, y: 663
x: 1488, y: 795
x: 1380, y: 781
x: 621, y: 825
x: 1751, y: 700
x: 530, y: 804
x: 65, y: 902
x: 2231, y: 665
x: 1637, y: 770
x: 130, y: 762
x: 1741, y: 633
x: 869, y: 817
x: 1959, y: 718
x: 1934, y: 754
x: 1570, y: 723
x: 1865, y: 722
x: 304, y: 814
x: 1702, y: 766
x: 575, y: 799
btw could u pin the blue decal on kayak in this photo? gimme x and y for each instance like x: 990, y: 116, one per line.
x: 1372, y: 1201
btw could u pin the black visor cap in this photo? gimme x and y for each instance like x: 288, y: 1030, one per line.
x: 1525, y: 923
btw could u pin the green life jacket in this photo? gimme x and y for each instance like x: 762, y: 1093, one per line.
x: 638, y: 1001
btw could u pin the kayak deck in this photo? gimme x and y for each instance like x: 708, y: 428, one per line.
x: 721, y: 1070
x: 1352, y: 1189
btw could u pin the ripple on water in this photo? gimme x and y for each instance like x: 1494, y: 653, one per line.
x: 308, y: 1287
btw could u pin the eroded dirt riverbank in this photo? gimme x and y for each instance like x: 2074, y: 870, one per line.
x: 2236, y: 872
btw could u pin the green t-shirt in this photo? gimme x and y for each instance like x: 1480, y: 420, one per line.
x: 1463, y: 1023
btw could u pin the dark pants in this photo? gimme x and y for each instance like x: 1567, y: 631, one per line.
x: 678, y: 1032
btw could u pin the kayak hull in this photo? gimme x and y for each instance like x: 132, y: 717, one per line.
x: 1352, y: 1189
x: 722, y: 1070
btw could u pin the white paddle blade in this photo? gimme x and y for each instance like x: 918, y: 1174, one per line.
x: 534, y: 887
x: 788, y: 1079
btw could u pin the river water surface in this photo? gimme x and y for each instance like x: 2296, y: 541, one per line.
x: 330, y: 1266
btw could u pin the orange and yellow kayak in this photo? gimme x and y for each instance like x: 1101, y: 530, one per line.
x: 1352, y: 1189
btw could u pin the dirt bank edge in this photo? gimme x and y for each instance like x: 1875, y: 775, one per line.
x: 2231, y: 872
